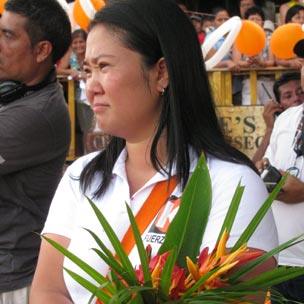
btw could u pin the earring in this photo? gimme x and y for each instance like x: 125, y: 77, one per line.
x: 162, y: 93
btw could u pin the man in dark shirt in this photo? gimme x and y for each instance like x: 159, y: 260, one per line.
x: 34, y: 134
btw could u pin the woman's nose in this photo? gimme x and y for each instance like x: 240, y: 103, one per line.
x: 93, y: 85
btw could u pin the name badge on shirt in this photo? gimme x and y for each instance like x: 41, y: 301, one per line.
x: 159, y: 227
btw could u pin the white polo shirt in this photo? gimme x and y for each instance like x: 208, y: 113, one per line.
x: 70, y: 212
x: 288, y: 217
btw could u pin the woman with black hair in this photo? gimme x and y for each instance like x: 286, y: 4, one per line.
x: 285, y: 7
x: 71, y: 65
x: 147, y: 84
x: 295, y: 14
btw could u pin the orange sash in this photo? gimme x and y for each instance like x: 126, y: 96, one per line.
x: 152, y: 205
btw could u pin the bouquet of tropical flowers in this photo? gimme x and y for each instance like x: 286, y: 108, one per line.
x: 180, y: 272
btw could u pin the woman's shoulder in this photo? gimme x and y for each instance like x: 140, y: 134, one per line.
x: 225, y: 177
x: 219, y: 167
x: 225, y: 174
x: 221, y: 170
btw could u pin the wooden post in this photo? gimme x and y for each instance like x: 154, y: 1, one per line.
x: 253, y: 86
x: 71, y: 106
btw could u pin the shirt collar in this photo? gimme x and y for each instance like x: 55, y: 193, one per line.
x: 119, y: 168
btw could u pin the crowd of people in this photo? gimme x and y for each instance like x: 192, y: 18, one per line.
x: 159, y: 115
x: 282, y: 146
x: 205, y: 24
x: 291, y: 12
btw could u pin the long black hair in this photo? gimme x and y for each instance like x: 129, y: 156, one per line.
x: 156, y: 29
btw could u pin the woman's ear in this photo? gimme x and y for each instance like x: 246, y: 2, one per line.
x: 162, y: 75
x: 43, y: 50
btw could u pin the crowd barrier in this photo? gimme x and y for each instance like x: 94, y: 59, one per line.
x: 243, y: 125
x: 221, y: 82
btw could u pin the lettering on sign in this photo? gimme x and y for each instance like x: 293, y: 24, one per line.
x: 243, y: 126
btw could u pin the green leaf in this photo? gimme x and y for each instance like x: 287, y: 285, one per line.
x: 114, y: 265
x: 123, y: 257
x: 252, y: 264
x: 137, y: 292
x: 82, y: 265
x: 106, y: 255
x: 140, y: 248
x: 199, y: 283
x: 267, y: 279
x: 95, y: 290
x: 259, y: 216
x: 123, y: 294
x: 280, y: 299
x: 207, y: 301
x: 118, y: 283
x: 220, y: 296
x: 101, y: 245
x: 166, y: 276
x: 232, y: 211
x: 187, y: 228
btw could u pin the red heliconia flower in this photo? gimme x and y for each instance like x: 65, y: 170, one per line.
x: 156, y: 265
x: 158, y: 259
x: 220, y: 258
x: 216, y: 283
x: 177, y: 286
x: 248, y: 256
x: 139, y: 275
x: 139, y: 272
x: 203, y: 256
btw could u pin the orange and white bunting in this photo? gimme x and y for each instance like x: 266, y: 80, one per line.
x: 84, y: 11
x: 2, y: 2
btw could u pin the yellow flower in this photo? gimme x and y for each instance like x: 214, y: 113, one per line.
x: 221, y: 259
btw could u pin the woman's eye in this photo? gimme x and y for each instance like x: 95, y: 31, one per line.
x: 101, y: 66
x: 87, y: 71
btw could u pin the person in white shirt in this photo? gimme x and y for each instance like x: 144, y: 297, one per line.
x: 286, y: 153
x: 149, y: 90
x: 288, y: 93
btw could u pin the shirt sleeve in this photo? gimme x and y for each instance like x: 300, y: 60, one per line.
x: 270, y: 151
x: 26, y: 139
x: 225, y: 178
x: 68, y: 203
x: 62, y: 213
